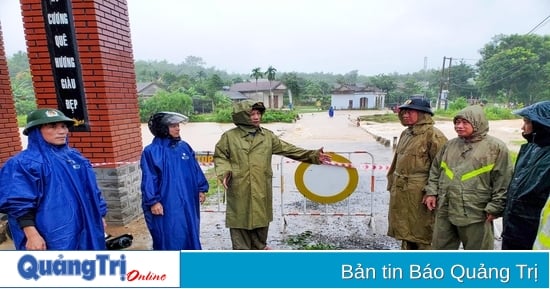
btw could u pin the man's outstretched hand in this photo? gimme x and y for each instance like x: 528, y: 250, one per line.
x: 324, y: 158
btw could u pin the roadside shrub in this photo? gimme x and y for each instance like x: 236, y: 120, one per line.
x: 491, y: 112
x: 279, y: 116
x: 458, y: 104
x: 498, y: 113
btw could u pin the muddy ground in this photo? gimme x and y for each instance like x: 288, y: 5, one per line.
x: 358, y: 222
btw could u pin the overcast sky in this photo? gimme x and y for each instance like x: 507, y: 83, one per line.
x: 330, y: 36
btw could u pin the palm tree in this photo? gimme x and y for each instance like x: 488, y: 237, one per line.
x: 257, y: 73
x: 270, y: 72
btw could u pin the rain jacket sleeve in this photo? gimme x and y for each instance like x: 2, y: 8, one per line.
x: 501, y: 175
x: 20, y: 180
x: 281, y: 147
x: 222, y: 157
x: 150, y: 183
x: 94, y: 187
x: 223, y: 153
x: 200, y: 178
x: 432, y: 187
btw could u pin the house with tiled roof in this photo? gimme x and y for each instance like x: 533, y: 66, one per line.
x: 270, y: 93
x: 348, y: 97
x: 234, y: 95
x: 147, y: 89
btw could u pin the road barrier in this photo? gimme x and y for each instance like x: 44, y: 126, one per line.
x: 344, y: 187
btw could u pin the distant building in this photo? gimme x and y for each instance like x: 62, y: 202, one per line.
x: 147, y: 89
x: 202, y: 106
x: 261, y: 92
x: 351, y: 97
x: 234, y: 95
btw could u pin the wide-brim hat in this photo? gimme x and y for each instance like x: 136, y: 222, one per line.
x: 417, y: 104
x: 44, y: 116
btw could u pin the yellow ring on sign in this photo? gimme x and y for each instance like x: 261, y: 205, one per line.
x: 353, y: 178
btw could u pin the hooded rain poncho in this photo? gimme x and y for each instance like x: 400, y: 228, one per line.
x: 58, y: 186
x: 246, y: 152
x: 470, y: 176
x: 172, y: 176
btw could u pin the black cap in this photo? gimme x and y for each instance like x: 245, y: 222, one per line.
x: 417, y: 104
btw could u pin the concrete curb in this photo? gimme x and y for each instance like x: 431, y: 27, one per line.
x: 384, y: 140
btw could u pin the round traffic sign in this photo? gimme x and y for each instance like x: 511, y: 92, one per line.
x: 326, y: 183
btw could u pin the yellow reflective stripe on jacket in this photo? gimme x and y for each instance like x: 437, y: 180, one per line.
x: 477, y: 172
x: 449, y: 173
x: 542, y: 242
x: 447, y: 170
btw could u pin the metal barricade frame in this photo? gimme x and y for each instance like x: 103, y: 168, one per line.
x: 365, y: 165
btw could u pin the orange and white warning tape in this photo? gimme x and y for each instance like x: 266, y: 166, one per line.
x: 337, y: 164
x: 326, y: 214
x: 374, y: 167
x: 208, y: 164
x: 112, y: 164
x: 364, y: 166
x: 135, y: 162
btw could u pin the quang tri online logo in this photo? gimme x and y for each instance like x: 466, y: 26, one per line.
x: 32, y: 268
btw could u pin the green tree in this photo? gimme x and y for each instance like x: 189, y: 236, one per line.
x: 23, y: 92
x: 514, y: 68
x: 194, y: 61
x: 411, y: 87
x: 270, y: 73
x: 257, y: 74
x: 214, y: 84
x: 19, y: 62
x: 461, y: 82
x: 512, y: 72
x: 351, y: 77
x: 201, y: 75
x: 166, y: 101
x: 295, y: 84
x: 387, y: 84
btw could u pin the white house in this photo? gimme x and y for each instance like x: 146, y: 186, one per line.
x: 350, y: 97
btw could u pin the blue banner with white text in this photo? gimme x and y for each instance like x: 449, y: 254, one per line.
x: 364, y: 269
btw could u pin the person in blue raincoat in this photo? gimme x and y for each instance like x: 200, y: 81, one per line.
x: 331, y: 111
x: 49, y: 190
x: 173, y: 186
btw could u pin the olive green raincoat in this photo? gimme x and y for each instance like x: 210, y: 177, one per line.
x: 470, y: 176
x: 245, y: 152
x: 408, y: 217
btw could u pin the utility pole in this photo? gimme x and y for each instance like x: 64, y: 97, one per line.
x: 444, y: 83
x: 441, y: 83
x: 447, y: 84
